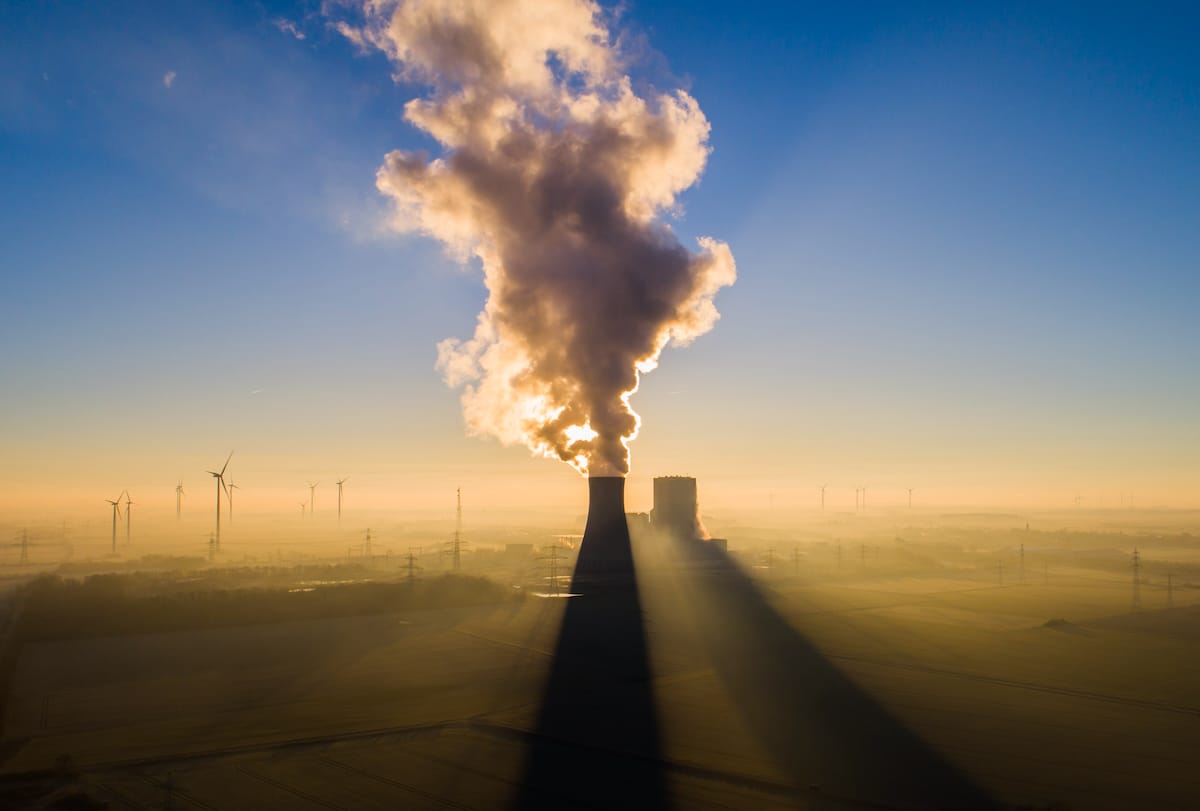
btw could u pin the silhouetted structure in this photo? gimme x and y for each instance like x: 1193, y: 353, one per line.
x: 1137, y: 581
x: 604, y: 551
x: 597, y: 743
x: 116, y: 505
x: 676, y: 507
x: 220, y: 477
x: 340, y: 483
x: 457, y: 546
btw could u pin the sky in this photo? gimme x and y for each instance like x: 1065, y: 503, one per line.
x: 965, y: 241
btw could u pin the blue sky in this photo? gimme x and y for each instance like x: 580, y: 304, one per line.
x: 966, y: 242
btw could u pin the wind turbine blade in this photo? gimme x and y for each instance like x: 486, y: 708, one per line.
x: 226, y: 462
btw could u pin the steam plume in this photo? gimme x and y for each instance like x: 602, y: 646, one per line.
x: 555, y: 173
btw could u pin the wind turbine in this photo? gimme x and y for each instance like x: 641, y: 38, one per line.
x: 116, y: 505
x: 178, y: 496
x: 312, y: 497
x: 909, y: 489
x: 220, y: 477
x: 128, y: 502
x: 303, y: 504
x: 823, y: 495
x: 340, y: 482
x: 231, y: 487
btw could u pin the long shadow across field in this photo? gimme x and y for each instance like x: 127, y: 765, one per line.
x: 828, y: 736
x: 596, y: 744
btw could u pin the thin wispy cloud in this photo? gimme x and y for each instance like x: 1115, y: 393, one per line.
x: 169, y: 79
x: 288, y: 27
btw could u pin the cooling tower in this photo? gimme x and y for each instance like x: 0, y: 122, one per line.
x: 605, y: 551
x: 676, y: 508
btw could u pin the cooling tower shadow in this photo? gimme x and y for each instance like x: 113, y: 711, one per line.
x: 596, y: 743
x: 823, y: 731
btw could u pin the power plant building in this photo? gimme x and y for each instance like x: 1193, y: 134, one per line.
x: 676, y: 507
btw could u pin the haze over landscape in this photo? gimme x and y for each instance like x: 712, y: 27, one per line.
x: 836, y: 366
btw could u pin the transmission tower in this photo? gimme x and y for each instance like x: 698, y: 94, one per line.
x: 552, y: 558
x: 412, y: 566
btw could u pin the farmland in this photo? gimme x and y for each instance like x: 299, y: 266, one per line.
x: 902, y: 675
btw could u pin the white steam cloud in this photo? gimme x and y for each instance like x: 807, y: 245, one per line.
x: 556, y: 174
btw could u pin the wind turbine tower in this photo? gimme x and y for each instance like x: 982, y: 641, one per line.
x: 909, y: 489
x: 312, y: 497
x: 116, y: 505
x: 1137, y: 581
x: 823, y: 495
x: 128, y: 504
x: 457, y: 560
x: 231, y: 488
x: 340, y: 482
x: 220, y: 477
x: 178, y: 498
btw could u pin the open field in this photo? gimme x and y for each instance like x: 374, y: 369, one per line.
x: 775, y: 677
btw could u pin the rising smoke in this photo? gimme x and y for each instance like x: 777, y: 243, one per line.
x: 556, y: 174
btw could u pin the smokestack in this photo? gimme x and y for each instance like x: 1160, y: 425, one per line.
x: 605, y: 551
